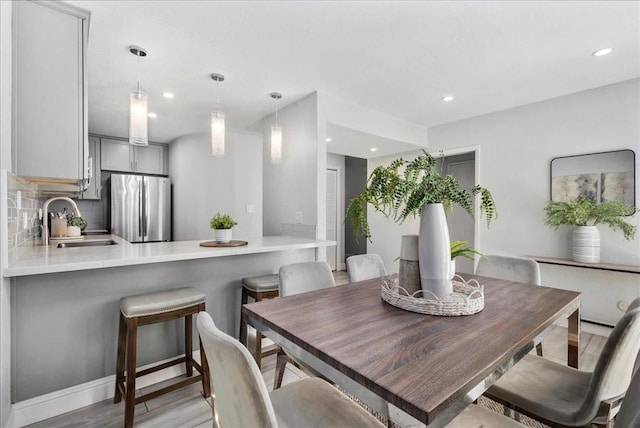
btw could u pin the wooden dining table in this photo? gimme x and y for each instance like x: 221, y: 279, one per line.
x: 415, y: 369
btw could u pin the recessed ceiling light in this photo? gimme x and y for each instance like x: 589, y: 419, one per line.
x: 447, y: 98
x: 602, y: 52
x: 168, y: 95
x: 373, y: 149
x: 152, y: 115
x: 328, y: 139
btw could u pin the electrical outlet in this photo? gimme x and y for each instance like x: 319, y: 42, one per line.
x: 250, y: 209
x: 298, y: 216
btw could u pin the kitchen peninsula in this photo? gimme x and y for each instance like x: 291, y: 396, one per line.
x: 65, y: 302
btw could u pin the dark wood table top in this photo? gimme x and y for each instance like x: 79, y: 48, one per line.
x: 419, y: 363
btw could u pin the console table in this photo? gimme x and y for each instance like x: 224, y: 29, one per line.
x: 607, y: 289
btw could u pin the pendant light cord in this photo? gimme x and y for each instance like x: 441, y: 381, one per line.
x: 138, y: 55
x: 218, y: 95
x: 276, y: 111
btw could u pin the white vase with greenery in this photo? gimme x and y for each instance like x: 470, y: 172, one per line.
x: 585, y: 214
x: 420, y: 188
x: 222, y: 224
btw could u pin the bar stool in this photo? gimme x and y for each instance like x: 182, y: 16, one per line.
x: 258, y: 287
x: 149, y: 309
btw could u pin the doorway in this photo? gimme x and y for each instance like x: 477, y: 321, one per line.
x: 332, y: 216
x: 461, y: 224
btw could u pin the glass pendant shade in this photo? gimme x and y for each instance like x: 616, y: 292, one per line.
x: 138, y: 108
x: 217, y: 133
x: 276, y: 144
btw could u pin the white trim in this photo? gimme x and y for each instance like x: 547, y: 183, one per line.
x: 66, y: 400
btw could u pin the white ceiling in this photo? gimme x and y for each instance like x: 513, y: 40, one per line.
x: 396, y: 57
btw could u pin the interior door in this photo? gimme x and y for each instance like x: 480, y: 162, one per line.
x: 332, y: 216
x: 461, y: 225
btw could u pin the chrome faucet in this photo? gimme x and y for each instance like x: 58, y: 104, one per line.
x: 45, y: 217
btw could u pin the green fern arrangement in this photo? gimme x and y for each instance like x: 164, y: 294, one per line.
x: 583, y: 211
x: 400, y: 194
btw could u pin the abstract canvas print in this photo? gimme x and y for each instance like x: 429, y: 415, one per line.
x: 618, y: 186
x: 571, y: 186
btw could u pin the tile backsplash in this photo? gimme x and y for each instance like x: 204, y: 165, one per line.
x: 23, y: 224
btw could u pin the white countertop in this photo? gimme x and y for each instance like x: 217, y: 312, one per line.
x: 41, y: 260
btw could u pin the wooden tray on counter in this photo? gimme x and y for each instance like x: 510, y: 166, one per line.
x: 232, y: 243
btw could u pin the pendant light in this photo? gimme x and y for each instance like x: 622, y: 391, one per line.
x: 276, y: 133
x: 138, y: 108
x: 217, y: 121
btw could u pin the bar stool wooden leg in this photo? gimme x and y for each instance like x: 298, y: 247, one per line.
x: 122, y: 342
x: 188, y: 344
x: 130, y: 398
x: 243, y: 321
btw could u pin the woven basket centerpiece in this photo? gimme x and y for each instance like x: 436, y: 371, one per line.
x: 467, y: 298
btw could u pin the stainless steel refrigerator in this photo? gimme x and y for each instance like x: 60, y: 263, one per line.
x: 140, y: 207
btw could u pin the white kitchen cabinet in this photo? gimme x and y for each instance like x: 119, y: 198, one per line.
x: 93, y: 191
x: 119, y: 155
x: 50, y: 90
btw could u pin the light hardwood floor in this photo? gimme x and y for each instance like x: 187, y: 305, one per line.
x: 187, y: 408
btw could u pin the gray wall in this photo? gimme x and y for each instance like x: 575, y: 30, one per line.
x: 292, y: 185
x: 203, y: 184
x: 516, y: 148
x: 65, y: 325
x: 355, y: 183
x: 5, y: 163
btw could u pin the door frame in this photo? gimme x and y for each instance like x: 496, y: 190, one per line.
x: 338, y: 229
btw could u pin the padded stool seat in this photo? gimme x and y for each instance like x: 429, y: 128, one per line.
x: 261, y: 283
x: 258, y: 288
x: 163, y: 301
x: 149, y: 309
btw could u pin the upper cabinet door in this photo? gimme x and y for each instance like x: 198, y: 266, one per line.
x: 50, y: 134
x: 149, y: 159
x: 116, y: 155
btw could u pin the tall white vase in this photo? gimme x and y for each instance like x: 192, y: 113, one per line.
x: 434, y: 251
x: 586, y: 244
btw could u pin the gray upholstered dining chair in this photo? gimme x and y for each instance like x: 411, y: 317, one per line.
x: 365, y: 266
x: 299, y: 278
x: 563, y: 396
x: 242, y: 399
x: 629, y: 416
x: 518, y: 269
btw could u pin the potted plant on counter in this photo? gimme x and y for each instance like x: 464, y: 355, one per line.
x: 222, y: 224
x: 75, y: 225
x: 420, y: 189
x: 585, y: 214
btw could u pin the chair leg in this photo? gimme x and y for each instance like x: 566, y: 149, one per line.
x: 206, y: 377
x: 539, y: 349
x: 130, y: 397
x: 258, y: 353
x: 281, y: 362
x: 122, y: 343
x: 188, y: 344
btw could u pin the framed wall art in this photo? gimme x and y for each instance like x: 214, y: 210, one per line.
x: 606, y: 176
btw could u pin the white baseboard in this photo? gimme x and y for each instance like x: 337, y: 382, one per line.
x: 66, y: 400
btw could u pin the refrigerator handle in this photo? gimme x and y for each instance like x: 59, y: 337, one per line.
x: 145, y: 203
x: 140, y: 192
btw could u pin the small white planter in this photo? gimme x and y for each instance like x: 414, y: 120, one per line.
x: 586, y: 244
x: 223, y: 236
x: 73, y: 231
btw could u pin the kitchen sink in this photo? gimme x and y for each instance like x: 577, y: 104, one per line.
x: 96, y: 243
